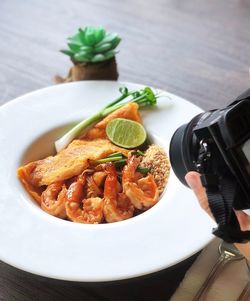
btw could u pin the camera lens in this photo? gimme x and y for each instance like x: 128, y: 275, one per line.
x: 184, y: 147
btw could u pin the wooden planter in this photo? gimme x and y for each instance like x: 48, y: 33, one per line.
x: 106, y: 70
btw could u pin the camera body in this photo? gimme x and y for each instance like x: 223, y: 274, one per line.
x: 216, y: 143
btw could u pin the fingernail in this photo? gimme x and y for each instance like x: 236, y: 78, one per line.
x: 191, y: 181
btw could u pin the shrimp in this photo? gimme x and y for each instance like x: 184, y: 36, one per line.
x: 53, y: 199
x: 95, y: 184
x: 92, y: 188
x: 99, y: 177
x: 80, y: 210
x: 143, y: 193
x: 117, y: 206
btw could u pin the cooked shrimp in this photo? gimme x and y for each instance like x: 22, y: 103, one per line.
x: 53, y: 199
x: 95, y: 184
x: 87, y: 211
x: 75, y: 190
x: 143, y: 193
x: 93, y: 190
x: 117, y: 206
x: 99, y: 177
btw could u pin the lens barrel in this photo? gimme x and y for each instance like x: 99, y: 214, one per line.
x: 176, y: 154
x: 183, y: 149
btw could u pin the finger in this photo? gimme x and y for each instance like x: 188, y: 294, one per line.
x: 194, y: 182
x: 244, y: 249
x: 244, y: 220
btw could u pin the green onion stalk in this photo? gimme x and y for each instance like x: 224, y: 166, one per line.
x: 144, y: 98
x: 120, y: 160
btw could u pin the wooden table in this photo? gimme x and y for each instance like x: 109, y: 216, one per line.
x: 196, y: 49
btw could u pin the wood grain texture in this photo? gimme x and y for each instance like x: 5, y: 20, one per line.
x: 16, y: 285
x: 196, y: 49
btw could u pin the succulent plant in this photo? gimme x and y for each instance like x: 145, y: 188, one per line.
x: 92, y: 45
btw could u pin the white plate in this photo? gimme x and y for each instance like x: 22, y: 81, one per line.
x: 36, y: 242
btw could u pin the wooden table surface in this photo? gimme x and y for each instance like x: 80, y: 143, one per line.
x: 196, y: 49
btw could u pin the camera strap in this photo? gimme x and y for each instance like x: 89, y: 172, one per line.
x: 221, y: 193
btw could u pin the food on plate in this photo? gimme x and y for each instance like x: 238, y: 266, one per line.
x: 142, y: 191
x: 128, y: 111
x: 117, y: 205
x: 87, y: 210
x: 143, y: 98
x: 69, y: 162
x: 155, y: 159
x: 93, y: 181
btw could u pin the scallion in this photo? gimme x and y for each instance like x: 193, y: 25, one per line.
x: 144, y: 97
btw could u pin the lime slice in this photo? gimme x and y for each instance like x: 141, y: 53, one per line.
x: 126, y: 133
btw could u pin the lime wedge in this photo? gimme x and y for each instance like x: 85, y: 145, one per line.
x: 126, y: 133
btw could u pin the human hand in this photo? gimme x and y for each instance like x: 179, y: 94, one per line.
x: 194, y: 182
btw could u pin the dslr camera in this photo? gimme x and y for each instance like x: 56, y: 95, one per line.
x: 216, y: 143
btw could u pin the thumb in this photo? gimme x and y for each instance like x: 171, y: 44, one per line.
x: 194, y: 182
x: 244, y: 220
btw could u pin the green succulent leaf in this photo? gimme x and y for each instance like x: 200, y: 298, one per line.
x: 82, y: 57
x: 74, y: 47
x: 109, y: 54
x: 90, y: 36
x: 115, y: 42
x: 102, y: 48
x: 67, y: 52
x: 76, y: 39
x: 109, y: 37
x: 99, y: 34
x: 81, y: 35
x: 86, y: 49
x: 98, y: 58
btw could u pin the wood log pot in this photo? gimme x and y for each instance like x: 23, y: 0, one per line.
x: 106, y: 70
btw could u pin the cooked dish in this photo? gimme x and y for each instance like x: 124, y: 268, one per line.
x: 84, y: 183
